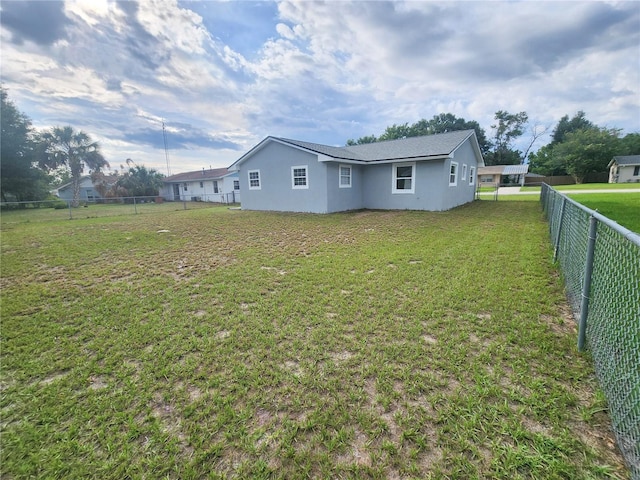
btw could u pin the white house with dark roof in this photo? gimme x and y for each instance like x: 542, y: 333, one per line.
x: 624, y: 169
x: 433, y: 172
x: 213, y: 185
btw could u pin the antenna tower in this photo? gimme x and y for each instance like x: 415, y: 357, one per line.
x: 166, y: 149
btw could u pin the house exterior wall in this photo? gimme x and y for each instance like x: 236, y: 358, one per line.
x: 429, y: 186
x: 87, y: 191
x: 623, y: 174
x: 464, y: 190
x: 275, y: 161
x: 203, y: 190
x: 339, y: 198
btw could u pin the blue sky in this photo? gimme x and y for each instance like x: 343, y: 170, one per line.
x: 223, y: 75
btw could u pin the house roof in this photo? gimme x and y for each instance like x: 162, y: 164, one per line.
x: 504, y: 170
x: 109, y: 179
x: 424, y: 147
x: 198, y: 175
x: 626, y: 160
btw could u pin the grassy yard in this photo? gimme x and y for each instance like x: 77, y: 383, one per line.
x: 216, y: 343
x: 623, y: 208
x: 588, y: 186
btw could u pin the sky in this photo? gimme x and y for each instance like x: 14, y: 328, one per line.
x: 223, y: 75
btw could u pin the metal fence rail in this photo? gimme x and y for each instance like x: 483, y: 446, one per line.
x: 600, y: 262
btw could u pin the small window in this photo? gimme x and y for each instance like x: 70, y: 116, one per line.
x: 464, y: 173
x: 453, y: 174
x: 201, y: 184
x: 403, y: 178
x: 185, y: 187
x: 345, y: 176
x: 299, y: 177
x: 215, y: 187
x: 254, y: 179
x: 636, y: 170
x: 236, y: 184
x: 472, y: 175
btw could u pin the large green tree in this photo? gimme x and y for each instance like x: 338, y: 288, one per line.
x: 587, y: 151
x: 140, y: 182
x: 442, y: 123
x: 508, y: 127
x: 567, y: 125
x: 63, y: 146
x: 19, y: 179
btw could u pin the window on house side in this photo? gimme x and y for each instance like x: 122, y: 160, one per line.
x: 185, y: 187
x: 215, y: 187
x: 636, y: 170
x: 453, y: 174
x: 464, y: 173
x: 345, y: 176
x: 472, y: 175
x: 236, y: 184
x: 299, y: 177
x: 403, y: 178
x: 254, y: 179
x: 201, y: 184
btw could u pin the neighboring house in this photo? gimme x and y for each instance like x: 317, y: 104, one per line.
x: 213, y: 185
x: 624, y: 169
x: 433, y: 172
x: 502, y: 174
x: 89, y: 192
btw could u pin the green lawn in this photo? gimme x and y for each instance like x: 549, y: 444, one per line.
x: 218, y: 343
x: 588, y: 186
x: 623, y: 208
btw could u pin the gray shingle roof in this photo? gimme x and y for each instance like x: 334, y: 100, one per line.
x: 209, y: 174
x: 405, y: 148
x: 627, y: 160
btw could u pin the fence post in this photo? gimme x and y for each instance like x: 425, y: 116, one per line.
x: 586, y: 286
x: 556, y: 243
x: 135, y: 207
x: 70, y: 214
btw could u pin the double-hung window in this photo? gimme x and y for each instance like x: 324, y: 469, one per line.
x: 299, y: 177
x: 453, y: 174
x: 236, y: 184
x: 345, y: 176
x: 472, y: 175
x: 403, y: 178
x: 254, y: 179
x: 215, y: 186
x: 636, y: 170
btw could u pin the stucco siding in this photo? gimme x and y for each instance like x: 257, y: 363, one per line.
x: 343, y: 198
x: 427, y: 192
x: 275, y: 161
x: 462, y: 192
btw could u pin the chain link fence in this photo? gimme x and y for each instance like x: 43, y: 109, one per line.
x: 600, y: 263
x: 58, y: 209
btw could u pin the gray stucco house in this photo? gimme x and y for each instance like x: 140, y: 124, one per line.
x: 433, y: 172
x: 624, y: 169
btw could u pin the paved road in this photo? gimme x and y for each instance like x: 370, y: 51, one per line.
x: 516, y: 191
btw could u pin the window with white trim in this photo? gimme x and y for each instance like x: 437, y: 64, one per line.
x: 636, y: 170
x: 299, y: 177
x: 185, y: 187
x: 236, y: 184
x: 472, y: 175
x: 403, y: 178
x: 464, y: 173
x: 215, y: 187
x: 345, y: 176
x: 254, y: 179
x: 453, y: 174
x: 201, y: 184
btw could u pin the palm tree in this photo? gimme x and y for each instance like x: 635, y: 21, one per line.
x: 73, y: 149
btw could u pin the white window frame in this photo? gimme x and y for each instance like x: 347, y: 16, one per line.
x: 341, y: 176
x: 306, y: 177
x: 394, y: 178
x: 464, y: 173
x: 472, y: 176
x: 453, y: 173
x: 215, y: 187
x: 236, y: 184
x: 259, y: 185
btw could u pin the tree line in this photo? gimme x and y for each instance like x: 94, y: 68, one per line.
x: 578, y: 147
x: 31, y: 162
